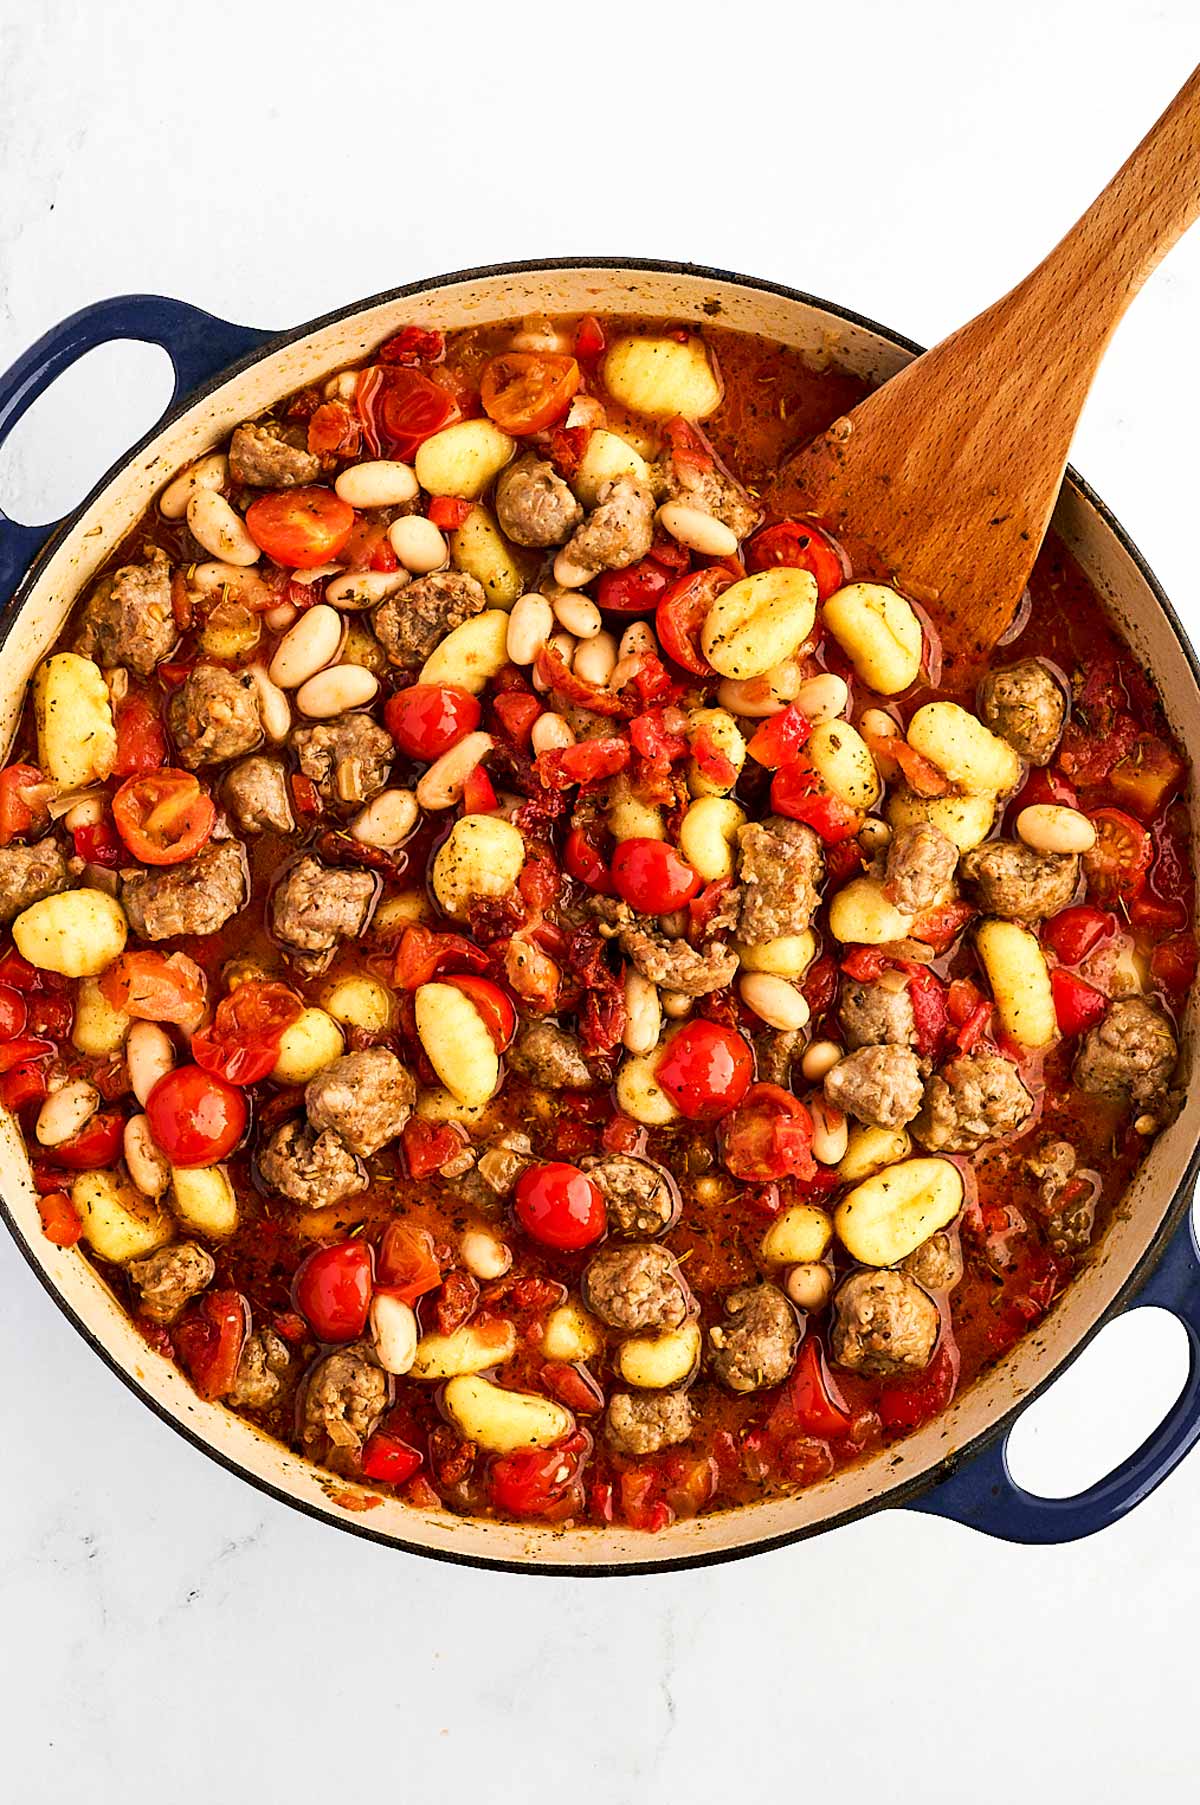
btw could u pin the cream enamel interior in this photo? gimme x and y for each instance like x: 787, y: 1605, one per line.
x: 827, y: 337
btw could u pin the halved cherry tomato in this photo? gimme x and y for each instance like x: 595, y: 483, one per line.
x: 209, y: 1341
x: 781, y: 739
x: 1042, y: 786
x: 98, y: 843
x: 155, y: 987
x: 706, y: 1070
x: 1116, y: 866
x: 479, y: 794
x: 96, y: 1145
x: 545, y: 1483
x: 400, y: 409
x: 560, y: 1206
x: 931, y: 1020
x: 196, y: 1118
x: 332, y: 1290
x: 635, y: 590
x: 1073, y: 933
x: 300, y: 527
x: 652, y: 876
x: 681, y: 612
x: 1078, y: 1006
x: 495, y: 1009
x: 14, y: 1013
x: 26, y: 1049
x: 164, y: 817
x: 388, y: 1460
x: 802, y: 546
x: 1173, y: 962
x: 573, y: 1386
x: 61, y: 1222
x: 768, y: 1136
x: 428, y: 1146
x: 808, y: 1399
x: 426, y: 719
x: 799, y: 792
x: 241, y: 1043
x: 408, y: 1266
x: 23, y: 797
x: 527, y: 391
x: 141, y: 741
x: 584, y: 863
x: 18, y: 972
x: 1146, y: 776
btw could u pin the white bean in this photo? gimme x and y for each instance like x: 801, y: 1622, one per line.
x: 756, y: 698
x: 419, y: 545
x: 211, y: 472
x: 637, y: 641
x: 335, y: 690
x: 379, y: 483
x: 308, y: 647
x: 569, y: 574
x: 809, y: 1286
x: 86, y: 813
x: 394, y: 1332
x: 1047, y: 827
x: 238, y: 581
x: 364, y: 588
x: 148, y: 1166
x: 596, y: 659
x: 822, y: 698
x: 149, y: 1055
x: 315, y: 573
x: 676, y: 1004
x: 275, y: 711
x: 878, y: 721
x: 550, y: 733
x: 699, y: 531
x: 773, y: 1000
x: 387, y: 820
x: 578, y: 615
x: 831, y: 1135
x: 220, y: 529
x: 643, y: 1013
x: 66, y: 1111
x: 280, y: 617
x: 342, y: 387
x: 483, y: 1255
x: 530, y: 624
x: 537, y: 334
x: 819, y: 1058
x: 442, y: 785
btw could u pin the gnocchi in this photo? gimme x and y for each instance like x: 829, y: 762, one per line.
x: 203, y: 1198
x: 119, y: 1223
x: 844, y: 761
x: 861, y: 913
x: 98, y: 1030
x: 463, y: 459
x: 572, y: 1334
x: 662, y: 378
x: 758, y: 622
x: 789, y: 956
x: 359, y: 1001
x: 880, y: 634
x: 1016, y: 970
x: 479, y: 548
x: 471, y: 654
x: 307, y: 1046
x: 457, y: 1043
x: 502, y: 1421
x: 968, y: 753
x: 967, y: 820
x: 800, y: 1234
x: 606, y: 457
x: 722, y: 733
x: 639, y: 1093
x: 75, y: 932
x: 482, y: 856
x: 77, y: 741
x: 472, y: 1349
x: 870, y: 1149
x: 708, y: 836
x: 887, y: 1216
x: 655, y: 1362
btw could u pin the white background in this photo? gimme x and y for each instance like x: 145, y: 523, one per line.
x: 167, y: 1633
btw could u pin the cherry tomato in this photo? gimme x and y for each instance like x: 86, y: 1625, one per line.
x: 241, y: 1043
x: 60, y: 1219
x: 164, y: 817
x: 26, y: 1049
x: 1173, y: 962
x: 388, y: 1460
x: 428, y: 718
x: 1073, y: 933
x: 332, y: 1290
x: 209, y: 1341
x: 799, y: 792
x: 495, y: 1009
x: 300, y: 528
x: 1078, y: 1006
x: 527, y: 391
x: 1042, y: 786
x: 97, y: 1144
x: 408, y: 1265
x: 479, y: 795
x: 14, y: 1013
x: 1116, y: 866
x: 196, y: 1118
x: 781, y: 739
x: 23, y: 796
x: 560, y: 1206
x: 97, y: 843
x: 141, y: 742
x: 706, y: 1070
x: 428, y: 1146
x: 652, y: 877
x: 682, y: 611
x: 808, y: 1400
x: 400, y: 409
x: 768, y: 1136
x: 635, y: 590
x: 155, y: 987
x: 541, y: 1482
x: 584, y: 863
x: 802, y: 546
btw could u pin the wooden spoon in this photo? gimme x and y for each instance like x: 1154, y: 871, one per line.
x: 948, y: 474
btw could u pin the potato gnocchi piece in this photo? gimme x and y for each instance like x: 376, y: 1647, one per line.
x: 758, y: 622
x: 860, y: 913
x: 572, y: 1334
x: 307, y: 1046
x: 639, y: 1093
x: 629, y: 818
x: 964, y: 749
x: 482, y: 856
x: 502, y: 1421
x: 99, y: 1030
x: 967, y: 820
x: 799, y: 1235
x: 880, y: 634
x: 1016, y: 969
x: 606, y: 457
x: 77, y: 741
x: 119, y: 1223
x: 723, y: 732
x: 883, y: 1219
x: 661, y: 378
x: 655, y: 1362
x: 76, y: 933
x: 437, y: 1104
x: 457, y: 1043
x: 359, y: 1001
x: 708, y: 836
x: 203, y: 1198
x: 471, y: 654
x: 479, y: 548
x: 472, y: 1349
x: 870, y: 1149
x: 398, y: 912
x: 787, y: 957
x: 844, y: 761
x: 463, y: 459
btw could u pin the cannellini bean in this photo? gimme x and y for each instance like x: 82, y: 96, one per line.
x: 379, y: 483
x: 757, y: 698
x: 699, y: 531
x: 220, y: 529
x: 394, y: 1332
x: 308, y: 647
x: 569, y: 574
x: 65, y: 1111
x: 823, y: 698
x: 335, y: 690
x: 233, y: 582
x: 596, y: 659
x: 643, y: 1014
x: 149, y: 1055
x: 211, y: 472
x: 147, y: 1165
x: 1046, y: 827
x: 419, y: 545
x: 342, y: 387
x: 387, y: 820
x: 819, y: 1058
x: 483, y: 1255
x: 364, y: 588
x: 578, y: 615
x: 537, y: 333
x: 774, y: 1001
x: 280, y: 618
x: 878, y: 721
x: 637, y: 640
x: 274, y: 709
x: 442, y: 785
x: 831, y: 1133
x: 550, y: 733
x: 676, y: 1004
x: 810, y: 1286
x: 85, y: 813
x: 315, y: 573
x: 530, y: 625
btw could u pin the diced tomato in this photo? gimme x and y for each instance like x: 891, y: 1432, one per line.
x: 706, y: 1070
x: 780, y: 739
x: 209, y: 1340
x: 1073, y: 933
x: 931, y: 1020
x: 422, y: 954
x: 527, y: 391
x: 24, y: 1083
x: 300, y: 528
x: 407, y: 1264
x: 712, y: 761
x: 573, y: 1386
x: 25, y: 1049
x: 680, y: 614
x: 1116, y: 866
x: 1078, y: 1006
x: 24, y: 794
x: 809, y: 1401
x: 896, y: 758
x: 141, y: 741
x: 940, y: 926
x: 1146, y: 777
x: 164, y: 817
x: 768, y: 1136
x: 560, y: 1206
x: 802, y: 546
x: 50, y: 1015
x: 820, y: 986
x: 97, y: 843
x: 556, y: 674
x: 332, y: 1290
x: 155, y: 987
x: 906, y: 1403
x: 429, y: 1145
x: 516, y: 710
x: 388, y: 1460
x: 543, y: 1483
x: 652, y: 876
x: 641, y: 1508
x: 426, y: 719
x: 96, y: 1145
x: 584, y: 863
x: 865, y: 963
x: 799, y: 792
x: 18, y: 973
x: 196, y: 1118
x: 589, y: 762
x: 969, y: 1011
x: 400, y: 408
x: 241, y: 1043
x: 414, y: 345
x: 568, y: 444
x: 1173, y: 963
x: 449, y: 512
x: 589, y: 337
x: 14, y: 1013
x: 333, y: 431
x: 61, y: 1222
x: 479, y: 795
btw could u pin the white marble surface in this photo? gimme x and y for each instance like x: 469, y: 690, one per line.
x: 167, y: 1633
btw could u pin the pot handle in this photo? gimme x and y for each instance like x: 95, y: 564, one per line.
x: 983, y: 1495
x: 198, y: 344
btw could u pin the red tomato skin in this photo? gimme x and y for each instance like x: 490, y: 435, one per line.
x: 652, y: 877
x: 138, y: 796
x: 681, y: 612
x: 780, y: 739
x: 798, y: 793
x: 1073, y: 933
x: 637, y: 589
x: 803, y: 546
x: 768, y: 1136
x: 706, y: 1070
x: 60, y: 1219
x: 426, y: 719
x: 1078, y: 1006
x: 494, y: 1008
x: 332, y: 1290
x: 141, y: 741
x: 1117, y: 864
x: 560, y: 1206
x: 210, y: 1339
x: 388, y: 1460
x: 540, y: 1482
x: 97, y: 1144
x: 300, y: 527
x: 14, y: 1013
x: 196, y: 1117
x: 241, y: 1043
x: 582, y: 862
x: 408, y: 1266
